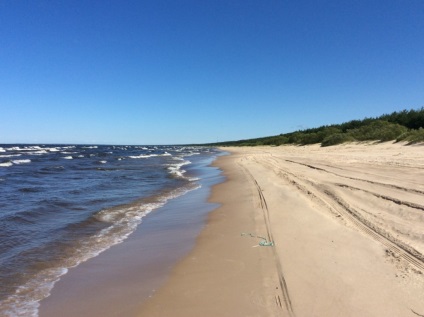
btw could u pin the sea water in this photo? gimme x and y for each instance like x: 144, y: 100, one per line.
x: 61, y: 205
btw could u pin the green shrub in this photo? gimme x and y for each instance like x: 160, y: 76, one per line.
x: 295, y: 137
x: 276, y: 140
x: 412, y: 136
x: 378, y: 130
x: 281, y: 140
x: 310, y: 138
x: 337, y: 138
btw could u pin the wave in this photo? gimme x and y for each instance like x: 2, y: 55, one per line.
x: 175, y: 169
x: 192, y: 153
x: 10, y: 155
x: 27, y: 148
x: 67, y: 157
x: 142, y: 156
x: 123, y: 221
x: 34, y: 150
x: 6, y: 164
x: 21, y: 161
x: 37, y: 152
x: 149, y: 155
x: 14, y: 148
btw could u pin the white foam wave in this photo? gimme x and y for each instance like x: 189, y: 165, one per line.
x: 126, y: 214
x: 192, y: 153
x: 26, y: 300
x: 176, y: 170
x: 149, y: 155
x: 15, y: 148
x: 67, y: 157
x: 103, y: 162
x: 10, y: 155
x: 142, y: 156
x: 6, y: 164
x: 21, y: 161
x: 37, y: 152
x: 27, y: 148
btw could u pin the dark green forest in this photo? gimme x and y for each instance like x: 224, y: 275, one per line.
x: 405, y: 125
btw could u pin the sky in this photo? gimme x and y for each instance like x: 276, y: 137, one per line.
x: 190, y: 71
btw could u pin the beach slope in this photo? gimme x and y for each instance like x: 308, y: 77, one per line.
x: 307, y: 231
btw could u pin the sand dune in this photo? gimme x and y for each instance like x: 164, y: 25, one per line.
x: 347, y: 224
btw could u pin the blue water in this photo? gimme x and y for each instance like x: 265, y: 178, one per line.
x: 61, y: 205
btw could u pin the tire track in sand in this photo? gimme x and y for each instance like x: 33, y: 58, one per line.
x: 388, y: 198
x: 358, y: 179
x: 265, y: 211
x: 327, y: 197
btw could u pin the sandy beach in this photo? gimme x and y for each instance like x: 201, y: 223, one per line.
x: 307, y: 231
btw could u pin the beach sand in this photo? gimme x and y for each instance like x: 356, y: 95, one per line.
x: 347, y: 227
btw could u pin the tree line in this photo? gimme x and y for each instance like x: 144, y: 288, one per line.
x: 405, y: 125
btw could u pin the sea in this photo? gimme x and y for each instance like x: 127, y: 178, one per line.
x: 61, y: 205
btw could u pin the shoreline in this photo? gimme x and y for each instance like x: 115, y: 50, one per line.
x: 224, y: 254
x: 329, y: 213
x: 116, y: 282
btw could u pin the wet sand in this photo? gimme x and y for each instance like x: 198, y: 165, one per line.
x: 347, y: 227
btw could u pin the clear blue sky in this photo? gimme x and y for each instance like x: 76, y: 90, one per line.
x: 190, y: 71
